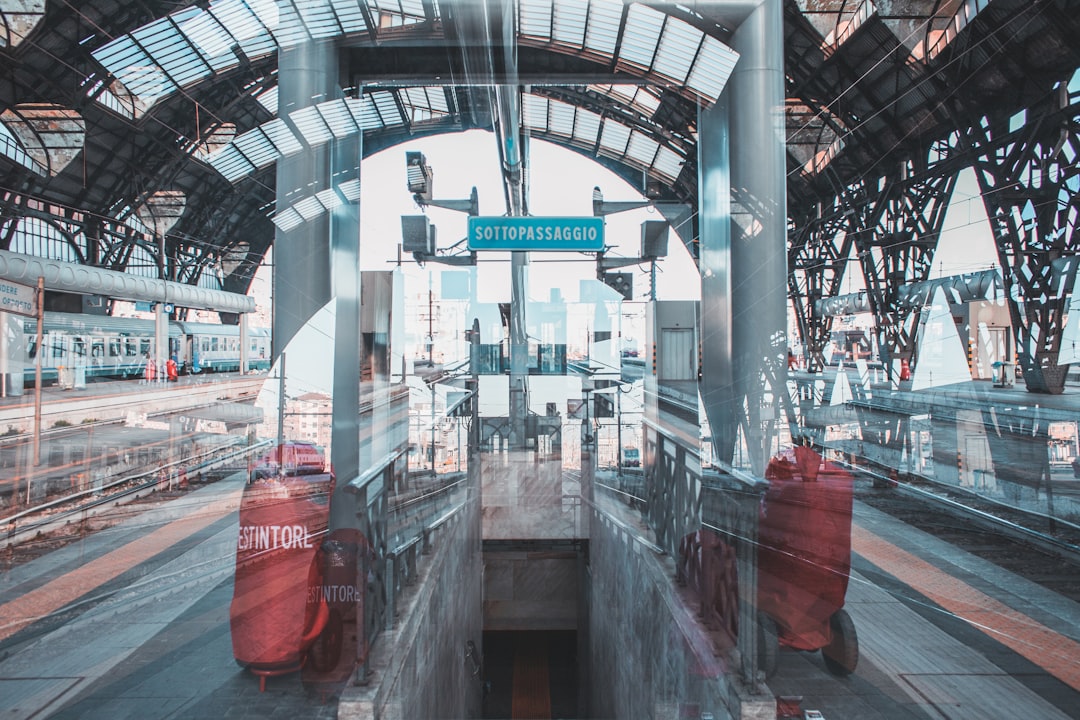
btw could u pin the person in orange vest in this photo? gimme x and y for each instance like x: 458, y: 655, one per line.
x: 170, y: 369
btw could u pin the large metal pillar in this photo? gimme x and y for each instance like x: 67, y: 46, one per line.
x: 302, y: 272
x: 744, y: 261
x: 319, y: 260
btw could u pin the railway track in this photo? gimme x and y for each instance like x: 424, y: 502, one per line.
x: 1040, y: 549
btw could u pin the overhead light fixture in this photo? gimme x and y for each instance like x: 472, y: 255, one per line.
x: 420, y: 180
x: 418, y: 176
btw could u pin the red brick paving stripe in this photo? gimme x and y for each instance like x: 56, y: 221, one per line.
x: 1055, y: 653
x: 52, y: 596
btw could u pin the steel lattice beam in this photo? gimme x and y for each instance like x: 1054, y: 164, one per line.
x: 1029, y: 181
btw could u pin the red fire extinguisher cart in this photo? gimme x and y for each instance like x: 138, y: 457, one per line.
x: 804, y: 558
x: 277, y: 611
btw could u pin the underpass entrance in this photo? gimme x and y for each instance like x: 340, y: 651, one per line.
x: 531, y: 674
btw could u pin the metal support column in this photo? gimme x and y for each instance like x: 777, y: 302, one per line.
x: 318, y: 262
x: 245, y: 345
x: 744, y: 241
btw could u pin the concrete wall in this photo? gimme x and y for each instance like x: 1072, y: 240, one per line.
x: 649, y: 657
x: 531, y: 589
x: 422, y: 667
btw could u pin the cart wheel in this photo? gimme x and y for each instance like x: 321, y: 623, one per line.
x: 768, y: 642
x: 326, y: 650
x: 842, y: 653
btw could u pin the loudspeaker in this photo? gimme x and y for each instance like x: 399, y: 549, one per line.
x: 654, y: 234
x: 416, y: 235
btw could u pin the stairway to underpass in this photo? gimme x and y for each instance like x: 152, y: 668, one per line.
x: 531, y: 603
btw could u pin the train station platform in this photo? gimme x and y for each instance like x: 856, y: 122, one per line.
x: 146, y: 602
x: 103, y: 400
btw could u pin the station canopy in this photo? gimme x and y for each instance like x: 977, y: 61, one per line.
x: 132, y: 129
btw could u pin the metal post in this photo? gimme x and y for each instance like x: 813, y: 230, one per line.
x: 281, y: 413
x: 618, y: 429
x: 245, y: 344
x: 37, y: 379
x: 433, y: 427
x: 4, y: 351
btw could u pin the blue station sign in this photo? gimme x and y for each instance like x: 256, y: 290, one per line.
x: 569, y: 234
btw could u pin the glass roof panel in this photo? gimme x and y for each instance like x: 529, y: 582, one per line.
x: 231, y: 163
x: 134, y: 68
x: 328, y: 198
x: 642, y: 148
x: 364, y: 113
x: 174, y: 54
x: 639, y: 98
x: 568, y: 27
x: 10, y: 148
x: 350, y: 189
x: 668, y: 163
x: 677, y: 49
x: 319, y: 18
x: 613, y: 139
x: 244, y: 20
x: 288, y: 219
x: 712, y: 69
x: 207, y: 34
x: 269, y: 99
x: 587, y: 129
x: 108, y: 99
x: 282, y: 137
x: 290, y: 29
x: 349, y: 15
x: 309, y: 207
x: 259, y: 46
x: 386, y: 105
x: 641, y: 35
x: 534, y: 18
x: 311, y: 125
x: 413, y: 9
x: 257, y: 148
x: 337, y: 117
x: 424, y: 103
x: 534, y: 111
x: 561, y: 119
x: 395, y: 13
x: 602, y: 33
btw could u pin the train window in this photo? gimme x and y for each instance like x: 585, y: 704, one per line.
x: 131, y: 347
x: 206, y: 345
x: 144, y: 347
x: 114, y: 348
x: 213, y: 343
x: 78, y: 347
x: 58, y: 347
x: 31, y: 347
x: 98, y: 348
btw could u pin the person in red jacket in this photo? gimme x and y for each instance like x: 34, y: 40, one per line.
x: 170, y: 369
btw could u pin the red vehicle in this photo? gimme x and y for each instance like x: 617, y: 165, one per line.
x: 289, y: 459
x: 275, y: 616
x: 804, y: 559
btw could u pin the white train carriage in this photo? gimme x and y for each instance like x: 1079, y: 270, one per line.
x: 101, y: 346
